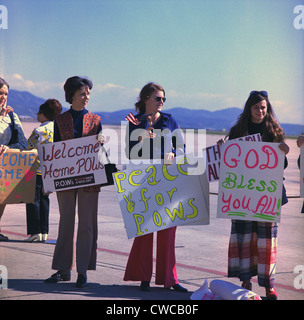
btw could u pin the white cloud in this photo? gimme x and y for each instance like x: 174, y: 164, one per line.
x: 17, y: 76
x: 39, y: 88
x: 106, y: 87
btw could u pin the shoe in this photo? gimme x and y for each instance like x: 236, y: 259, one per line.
x: 145, y: 286
x: 44, y: 237
x: 177, y: 287
x: 81, y: 281
x: 271, y: 294
x: 3, y: 238
x: 34, y: 237
x: 247, y: 285
x: 59, y: 276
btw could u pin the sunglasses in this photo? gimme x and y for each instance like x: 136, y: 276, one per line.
x: 158, y: 99
x: 262, y: 93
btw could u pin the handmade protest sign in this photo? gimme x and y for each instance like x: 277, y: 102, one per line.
x: 71, y: 164
x: 154, y: 197
x: 18, y: 176
x: 251, y: 180
x: 213, y: 157
x: 302, y: 172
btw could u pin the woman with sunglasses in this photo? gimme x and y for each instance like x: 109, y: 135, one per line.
x: 150, y: 118
x: 252, y: 246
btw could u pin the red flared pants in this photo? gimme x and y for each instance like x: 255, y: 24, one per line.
x: 140, y: 262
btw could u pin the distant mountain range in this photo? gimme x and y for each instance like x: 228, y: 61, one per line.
x: 26, y: 106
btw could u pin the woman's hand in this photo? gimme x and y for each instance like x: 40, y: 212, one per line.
x: 101, y: 138
x: 3, y: 149
x: 300, y: 140
x: 169, y: 157
x: 284, y: 147
x: 150, y: 132
x: 146, y: 134
x: 220, y: 142
x: 150, y: 129
x: 4, y: 111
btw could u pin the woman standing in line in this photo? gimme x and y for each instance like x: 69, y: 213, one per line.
x: 253, y: 245
x: 140, y: 262
x: 75, y: 123
x: 300, y: 143
x: 11, y: 131
x: 37, y: 213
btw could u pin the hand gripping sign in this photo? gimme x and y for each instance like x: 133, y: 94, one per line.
x: 251, y: 180
x: 154, y: 197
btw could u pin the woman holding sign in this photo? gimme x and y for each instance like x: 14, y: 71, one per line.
x: 75, y: 123
x: 11, y: 131
x: 300, y: 143
x: 150, y: 118
x: 252, y: 246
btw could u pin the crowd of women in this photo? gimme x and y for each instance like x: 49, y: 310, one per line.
x: 252, y: 245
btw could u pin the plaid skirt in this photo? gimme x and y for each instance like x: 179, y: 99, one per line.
x: 252, y: 251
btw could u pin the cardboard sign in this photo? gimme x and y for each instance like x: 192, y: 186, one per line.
x: 251, y: 180
x: 18, y: 176
x: 213, y: 157
x: 154, y: 197
x: 302, y: 172
x: 71, y: 164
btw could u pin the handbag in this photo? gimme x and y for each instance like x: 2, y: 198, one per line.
x: 109, y: 167
x: 14, y: 137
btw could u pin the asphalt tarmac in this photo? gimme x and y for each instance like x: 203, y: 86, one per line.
x: 201, y: 252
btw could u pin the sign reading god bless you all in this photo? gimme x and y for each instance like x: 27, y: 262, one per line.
x: 251, y: 180
x: 18, y: 176
x: 154, y: 197
x: 213, y: 157
x: 71, y: 164
x: 302, y: 173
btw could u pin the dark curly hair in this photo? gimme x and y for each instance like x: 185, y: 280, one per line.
x: 272, y: 131
x: 50, y: 108
x: 145, y: 93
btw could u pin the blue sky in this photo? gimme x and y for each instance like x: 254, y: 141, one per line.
x: 206, y: 54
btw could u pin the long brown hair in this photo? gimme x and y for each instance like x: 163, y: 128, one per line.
x: 145, y: 93
x: 272, y: 131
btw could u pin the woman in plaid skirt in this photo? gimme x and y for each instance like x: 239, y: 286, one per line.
x: 253, y: 245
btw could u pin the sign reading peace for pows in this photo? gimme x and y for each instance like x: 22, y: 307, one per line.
x: 154, y: 197
x: 71, y: 164
x: 213, y: 156
x: 302, y: 173
x: 251, y: 180
x: 18, y: 176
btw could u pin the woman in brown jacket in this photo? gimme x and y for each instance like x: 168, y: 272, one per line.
x: 75, y: 123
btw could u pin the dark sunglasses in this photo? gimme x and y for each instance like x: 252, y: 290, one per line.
x: 262, y: 93
x: 158, y: 99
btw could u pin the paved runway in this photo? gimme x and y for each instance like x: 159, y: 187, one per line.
x: 201, y: 252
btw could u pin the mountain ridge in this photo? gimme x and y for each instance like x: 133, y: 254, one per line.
x: 26, y: 105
